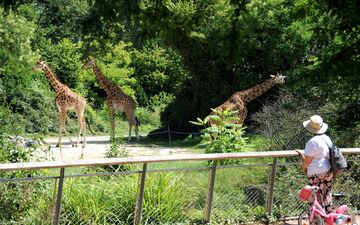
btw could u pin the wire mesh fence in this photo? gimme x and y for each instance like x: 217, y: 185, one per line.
x: 240, y: 193
x: 176, y: 192
x: 27, y: 201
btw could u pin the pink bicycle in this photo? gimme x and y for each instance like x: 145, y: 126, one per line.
x: 316, y: 215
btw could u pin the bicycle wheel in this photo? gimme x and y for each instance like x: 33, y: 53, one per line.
x: 350, y: 212
x: 304, y: 219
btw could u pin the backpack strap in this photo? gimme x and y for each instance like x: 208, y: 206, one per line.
x: 329, y: 145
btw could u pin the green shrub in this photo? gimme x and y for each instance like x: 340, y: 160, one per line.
x: 20, y: 198
x: 17, y: 198
x: 160, y: 101
x: 148, y: 117
x: 116, y: 150
x: 11, y: 123
x: 21, y: 91
x: 224, y: 135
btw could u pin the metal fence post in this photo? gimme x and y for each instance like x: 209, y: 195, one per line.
x: 59, y: 195
x: 211, y: 191
x: 270, y: 198
x: 140, y: 198
x: 169, y: 135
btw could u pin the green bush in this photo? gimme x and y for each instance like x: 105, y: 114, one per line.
x: 116, y: 150
x: 11, y: 123
x: 148, y: 117
x: 224, y: 135
x: 17, y: 198
x: 20, y: 199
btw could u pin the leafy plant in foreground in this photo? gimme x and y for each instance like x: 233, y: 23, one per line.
x: 224, y: 135
x: 117, y: 151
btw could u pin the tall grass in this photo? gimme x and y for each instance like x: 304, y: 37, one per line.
x: 111, y: 200
x: 99, y: 200
x: 168, y: 199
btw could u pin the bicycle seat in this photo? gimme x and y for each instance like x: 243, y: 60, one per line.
x: 338, y: 195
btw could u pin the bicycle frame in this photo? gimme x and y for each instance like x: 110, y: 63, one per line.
x: 336, y: 217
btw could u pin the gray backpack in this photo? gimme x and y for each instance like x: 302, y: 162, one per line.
x: 337, y: 159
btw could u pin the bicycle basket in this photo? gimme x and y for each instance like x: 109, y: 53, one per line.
x: 305, y: 193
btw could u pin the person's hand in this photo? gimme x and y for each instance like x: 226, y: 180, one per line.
x: 302, y: 156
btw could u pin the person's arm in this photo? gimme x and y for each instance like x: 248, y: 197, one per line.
x: 306, y: 160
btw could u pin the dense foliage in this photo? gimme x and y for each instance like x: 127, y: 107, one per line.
x: 191, y: 55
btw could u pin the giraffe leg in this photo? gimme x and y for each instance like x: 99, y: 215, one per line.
x: 58, y: 144
x: 73, y: 144
x: 130, y: 127
x: 136, y: 124
x: 81, y: 121
x: 132, y: 121
x: 112, y: 122
x: 62, y: 117
x: 137, y: 131
x: 83, y: 132
x: 84, y: 138
x: 78, y: 138
x: 64, y: 127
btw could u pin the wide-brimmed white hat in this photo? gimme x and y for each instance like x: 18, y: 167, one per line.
x: 315, y: 125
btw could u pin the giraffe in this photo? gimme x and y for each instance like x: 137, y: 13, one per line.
x: 237, y: 101
x: 116, y: 100
x: 65, y: 100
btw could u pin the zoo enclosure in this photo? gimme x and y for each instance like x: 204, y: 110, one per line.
x: 271, y: 190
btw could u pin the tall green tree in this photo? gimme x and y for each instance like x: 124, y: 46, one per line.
x: 59, y: 19
x: 327, y: 75
x: 21, y: 91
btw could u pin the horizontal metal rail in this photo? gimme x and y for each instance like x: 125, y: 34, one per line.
x: 133, y: 172
x: 155, y: 159
x: 100, y: 174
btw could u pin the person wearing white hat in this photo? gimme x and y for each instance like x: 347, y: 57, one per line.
x: 316, y: 158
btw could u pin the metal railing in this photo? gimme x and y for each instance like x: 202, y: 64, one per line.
x: 275, y: 195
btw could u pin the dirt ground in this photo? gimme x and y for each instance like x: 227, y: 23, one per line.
x: 96, y: 147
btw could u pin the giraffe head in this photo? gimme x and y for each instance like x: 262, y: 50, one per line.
x: 279, y: 78
x: 89, y: 63
x: 39, y: 65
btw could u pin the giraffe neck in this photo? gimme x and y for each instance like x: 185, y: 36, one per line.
x: 104, y: 82
x: 55, y: 83
x: 254, y: 92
